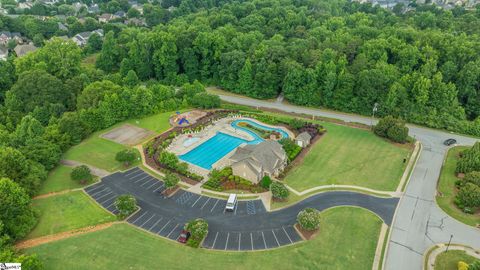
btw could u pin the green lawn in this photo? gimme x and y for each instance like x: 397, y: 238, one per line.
x: 347, y: 240
x: 66, y: 212
x: 58, y: 180
x: 446, y: 186
x: 350, y: 156
x: 449, y: 260
x: 100, y: 152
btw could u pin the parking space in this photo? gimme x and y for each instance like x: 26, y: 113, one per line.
x: 248, y: 227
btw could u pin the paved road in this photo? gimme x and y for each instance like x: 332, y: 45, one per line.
x: 249, y: 227
x: 419, y: 222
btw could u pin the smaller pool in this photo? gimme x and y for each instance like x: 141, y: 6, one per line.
x: 190, y: 141
x: 257, y: 139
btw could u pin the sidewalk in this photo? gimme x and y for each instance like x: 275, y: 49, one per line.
x: 95, y: 171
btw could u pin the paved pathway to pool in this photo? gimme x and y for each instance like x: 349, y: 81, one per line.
x: 249, y: 227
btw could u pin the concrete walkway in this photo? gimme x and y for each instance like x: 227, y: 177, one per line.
x: 440, y: 248
x: 95, y: 171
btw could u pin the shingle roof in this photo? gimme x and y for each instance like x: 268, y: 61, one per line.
x: 304, y: 136
x: 21, y: 50
x: 267, y: 155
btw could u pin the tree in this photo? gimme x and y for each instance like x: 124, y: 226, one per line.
x: 73, y: 125
x: 266, y: 182
x: 205, y: 101
x: 127, y: 156
x: 95, y: 92
x: 81, y: 174
x: 198, y: 229
x: 170, y: 160
x: 131, y: 79
x: 133, y: 13
x: 296, y: 123
x: 391, y: 128
x: 94, y: 43
x: 126, y: 205
x: 309, y: 219
x: 469, y: 160
x: 108, y: 58
x: 7, y: 69
x: 468, y: 196
x: 171, y: 180
x: 279, y: 191
x: 16, y: 214
x: 246, y: 78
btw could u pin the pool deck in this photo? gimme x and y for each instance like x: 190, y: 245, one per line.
x: 223, y: 125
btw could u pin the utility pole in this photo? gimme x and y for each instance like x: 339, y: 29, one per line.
x: 449, y: 242
x: 374, y: 110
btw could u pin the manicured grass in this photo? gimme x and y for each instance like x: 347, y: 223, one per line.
x: 347, y: 240
x: 59, y: 179
x: 66, y: 212
x: 350, y: 156
x: 449, y: 260
x: 98, y: 152
x: 446, y: 187
x: 158, y: 122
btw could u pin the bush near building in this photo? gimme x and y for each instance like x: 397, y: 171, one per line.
x: 392, y: 128
x: 171, y: 180
x: 225, y: 180
x: 291, y: 149
x: 279, y: 191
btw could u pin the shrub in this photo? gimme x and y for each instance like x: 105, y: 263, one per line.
x: 170, y: 160
x: 127, y: 156
x: 291, y: 149
x: 205, y: 101
x: 126, y: 205
x: 461, y: 265
x: 279, y: 191
x: 469, y: 160
x: 198, y: 229
x: 475, y: 265
x: 81, y: 174
x: 266, y: 182
x: 309, y: 219
x: 171, y: 180
x: 468, y: 196
x: 392, y: 129
x: 296, y: 123
x: 194, y: 243
x: 472, y: 177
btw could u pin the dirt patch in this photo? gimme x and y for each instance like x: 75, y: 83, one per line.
x: 192, y: 117
x: 307, y: 235
x: 128, y: 135
x: 50, y: 194
x: 55, y: 237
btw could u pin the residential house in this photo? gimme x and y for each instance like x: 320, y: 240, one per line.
x: 21, y: 50
x: 81, y: 39
x: 119, y: 14
x: 25, y: 5
x: 253, y: 162
x: 62, y: 27
x: 5, y: 36
x: 303, y: 139
x: 106, y: 17
x: 93, y: 9
x: 135, y: 21
x: 3, y: 53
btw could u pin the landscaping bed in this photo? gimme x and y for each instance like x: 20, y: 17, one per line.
x: 224, y: 180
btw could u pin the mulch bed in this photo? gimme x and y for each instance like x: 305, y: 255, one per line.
x: 170, y: 191
x: 307, y: 235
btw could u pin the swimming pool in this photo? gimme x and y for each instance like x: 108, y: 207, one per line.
x: 215, y: 148
x: 212, y: 150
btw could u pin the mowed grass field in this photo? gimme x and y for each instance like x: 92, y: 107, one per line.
x: 100, y: 152
x: 347, y: 240
x: 447, y: 189
x: 449, y: 260
x: 59, y: 179
x: 350, y: 156
x: 66, y: 212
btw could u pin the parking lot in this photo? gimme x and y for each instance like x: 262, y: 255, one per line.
x: 249, y: 227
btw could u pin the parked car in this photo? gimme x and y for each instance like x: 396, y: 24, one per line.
x: 449, y: 142
x: 184, y: 235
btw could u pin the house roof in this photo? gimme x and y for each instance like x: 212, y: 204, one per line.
x: 21, y: 50
x: 266, y: 155
x: 3, y: 50
x: 304, y: 136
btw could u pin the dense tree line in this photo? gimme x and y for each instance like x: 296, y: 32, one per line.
x: 421, y: 66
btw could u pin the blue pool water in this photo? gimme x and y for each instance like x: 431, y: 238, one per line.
x: 215, y: 148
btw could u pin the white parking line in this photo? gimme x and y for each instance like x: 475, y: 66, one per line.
x: 110, y: 205
x: 239, y: 236
x: 168, y: 235
x: 106, y: 188
x: 106, y: 200
x: 95, y: 188
x: 164, y: 227
x: 291, y: 242
x: 148, y: 181
x: 137, y: 175
x: 236, y: 207
x: 205, y: 203
x: 264, y: 243
x: 156, y: 182
x: 199, y: 197
x: 147, y: 221
x: 251, y: 240
x: 155, y: 223
x: 158, y: 188
x: 140, y: 179
x: 215, y: 240
x: 278, y: 244
x: 226, y: 243
x: 110, y: 192
x: 140, y: 216
x: 211, y: 210
x: 132, y: 171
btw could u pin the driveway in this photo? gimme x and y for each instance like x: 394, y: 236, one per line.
x: 249, y: 227
x: 419, y: 222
